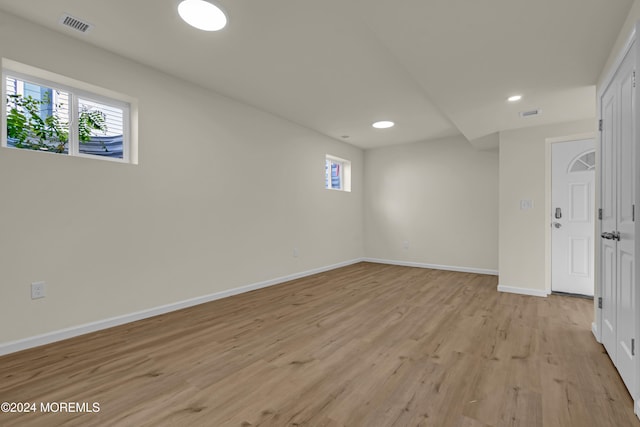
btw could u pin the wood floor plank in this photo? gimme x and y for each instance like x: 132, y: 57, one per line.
x: 365, y: 345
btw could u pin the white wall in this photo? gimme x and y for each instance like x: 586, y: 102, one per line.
x: 523, y: 247
x: 623, y: 36
x: 221, y: 195
x: 441, y: 196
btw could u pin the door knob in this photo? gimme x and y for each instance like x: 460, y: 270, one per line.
x: 557, y: 225
x: 614, y: 235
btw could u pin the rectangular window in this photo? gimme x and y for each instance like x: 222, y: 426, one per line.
x: 46, y: 116
x: 107, y: 138
x: 337, y: 174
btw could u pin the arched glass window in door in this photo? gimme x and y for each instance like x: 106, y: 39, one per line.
x: 584, y: 162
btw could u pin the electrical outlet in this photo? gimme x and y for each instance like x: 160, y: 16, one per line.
x: 296, y: 252
x: 38, y: 290
x: 405, y: 245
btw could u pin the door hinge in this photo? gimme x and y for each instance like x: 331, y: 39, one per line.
x: 600, y: 125
x: 600, y: 213
x: 633, y: 347
x: 599, y: 302
x: 633, y: 213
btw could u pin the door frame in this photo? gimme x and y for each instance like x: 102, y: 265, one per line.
x: 549, y: 205
x: 602, y: 87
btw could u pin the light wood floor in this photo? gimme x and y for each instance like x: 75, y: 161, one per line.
x: 366, y: 345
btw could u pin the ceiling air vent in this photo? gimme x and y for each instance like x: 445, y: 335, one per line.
x: 530, y: 113
x: 75, y: 23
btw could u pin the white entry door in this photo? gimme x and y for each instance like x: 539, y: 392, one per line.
x: 572, y: 216
x: 617, y: 240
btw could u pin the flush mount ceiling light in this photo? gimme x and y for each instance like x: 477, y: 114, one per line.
x: 514, y: 98
x: 384, y: 124
x: 202, y: 15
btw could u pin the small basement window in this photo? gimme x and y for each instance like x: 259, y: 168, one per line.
x: 43, y: 115
x: 337, y: 173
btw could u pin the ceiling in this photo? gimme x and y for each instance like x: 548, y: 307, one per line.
x: 436, y: 67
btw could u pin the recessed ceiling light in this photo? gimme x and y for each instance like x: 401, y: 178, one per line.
x: 514, y: 98
x: 384, y: 124
x: 202, y: 15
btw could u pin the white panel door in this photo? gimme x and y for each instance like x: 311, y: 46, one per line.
x: 625, y: 228
x: 572, y: 216
x: 618, y: 230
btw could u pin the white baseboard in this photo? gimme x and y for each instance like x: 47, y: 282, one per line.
x: 433, y: 266
x: 62, y: 334
x: 594, y: 331
x: 636, y: 408
x: 522, y: 291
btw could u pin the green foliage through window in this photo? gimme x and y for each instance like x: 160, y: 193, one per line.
x: 31, y: 126
x: 30, y: 130
x: 43, y: 115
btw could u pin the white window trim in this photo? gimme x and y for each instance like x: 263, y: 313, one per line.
x: 345, y: 173
x: 76, y: 89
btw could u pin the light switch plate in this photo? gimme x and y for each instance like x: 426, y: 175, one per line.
x: 526, y: 204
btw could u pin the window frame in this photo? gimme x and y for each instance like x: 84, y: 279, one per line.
x: 75, y: 93
x: 345, y: 173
